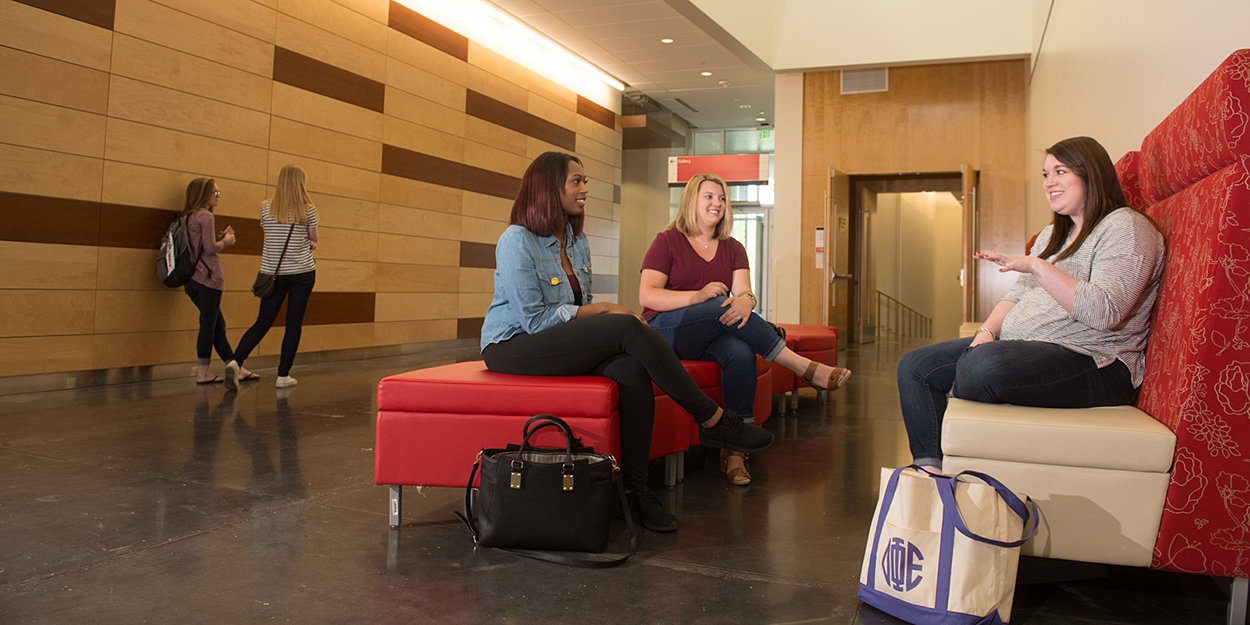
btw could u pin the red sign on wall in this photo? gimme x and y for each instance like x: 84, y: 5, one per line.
x: 731, y: 167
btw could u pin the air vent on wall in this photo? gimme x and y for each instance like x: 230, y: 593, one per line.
x: 683, y: 103
x: 865, y: 80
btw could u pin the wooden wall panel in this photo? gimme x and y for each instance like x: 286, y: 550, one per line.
x: 56, y: 128
x: 98, y: 13
x: 43, y: 266
x: 49, y: 34
x: 413, y: 139
x: 174, y: 29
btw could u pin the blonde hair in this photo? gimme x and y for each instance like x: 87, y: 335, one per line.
x: 290, y: 200
x: 685, y: 222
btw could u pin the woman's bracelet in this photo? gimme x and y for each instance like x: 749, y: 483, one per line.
x: 754, y: 302
x: 993, y: 337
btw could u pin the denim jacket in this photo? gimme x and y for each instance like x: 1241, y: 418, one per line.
x: 532, y: 292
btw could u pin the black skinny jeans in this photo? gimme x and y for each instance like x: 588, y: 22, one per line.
x: 212, y: 323
x: 299, y: 287
x: 618, y: 347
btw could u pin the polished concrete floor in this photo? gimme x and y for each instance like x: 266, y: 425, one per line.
x: 164, y: 502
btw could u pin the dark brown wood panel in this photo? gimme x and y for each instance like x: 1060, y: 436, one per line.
x: 133, y: 226
x: 41, y: 219
x: 309, y: 74
x: 496, y: 112
x: 490, y: 183
x: 427, y: 31
x: 397, y: 161
x: 330, y: 307
x: 595, y: 112
x: 481, y: 255
x: 469, y: 328
x: 249, y: 237
x: 94, y: 12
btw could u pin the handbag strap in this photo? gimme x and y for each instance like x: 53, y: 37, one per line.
x: 558, y: 558
x: 284, y: 246
x: 946, y: 490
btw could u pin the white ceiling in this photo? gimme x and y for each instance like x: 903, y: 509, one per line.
x: 623, y: 39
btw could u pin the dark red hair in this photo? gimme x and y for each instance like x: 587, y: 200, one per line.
x: 538, y: 207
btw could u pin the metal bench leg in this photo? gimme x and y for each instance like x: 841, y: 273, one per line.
x: 396, y: 504
x: 681, y: 466
x: 392, y: 550
x: 794, y: 399
x: 1240, y: 591
x: 670, y: 470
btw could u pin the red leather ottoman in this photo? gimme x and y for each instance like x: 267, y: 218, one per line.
x: 819, y: 343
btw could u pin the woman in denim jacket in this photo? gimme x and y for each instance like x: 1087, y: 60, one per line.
x: 543, y: 321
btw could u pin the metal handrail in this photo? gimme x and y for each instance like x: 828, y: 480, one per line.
x: 897, y: 320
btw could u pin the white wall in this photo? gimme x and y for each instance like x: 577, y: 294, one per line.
x: 794, y: 35
x: 788, y: 199
x: 1113, y: 70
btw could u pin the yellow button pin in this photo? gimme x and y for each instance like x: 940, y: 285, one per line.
x: 555, y: 281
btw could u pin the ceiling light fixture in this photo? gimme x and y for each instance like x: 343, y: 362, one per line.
x: 546, y: 43
x: 760, y: 119
x: 744, y: 106
x: 666, y: 41
x: 705, y: 73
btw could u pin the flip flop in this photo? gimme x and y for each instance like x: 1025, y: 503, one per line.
x: 216, y: 380
x: 251, y: 375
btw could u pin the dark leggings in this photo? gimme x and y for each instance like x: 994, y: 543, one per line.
x: 618, y: 347
x: 212, y: 323
x: 299, y: 287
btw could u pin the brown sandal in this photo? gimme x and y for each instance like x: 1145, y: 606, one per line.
x: 836, y: 378
x: 737, y: 476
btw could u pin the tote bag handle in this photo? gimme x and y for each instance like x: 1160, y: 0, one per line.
x: 950, y: 508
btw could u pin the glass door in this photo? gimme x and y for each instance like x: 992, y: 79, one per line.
x: 752, y: 228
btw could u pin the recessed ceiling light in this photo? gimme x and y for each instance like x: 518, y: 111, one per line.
x: 744, y: 106
x: 705, y: 73
x: 666, y: 41
x: 760, y: 119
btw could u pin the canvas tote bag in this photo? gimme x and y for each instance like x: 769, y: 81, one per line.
x: 943, y: 549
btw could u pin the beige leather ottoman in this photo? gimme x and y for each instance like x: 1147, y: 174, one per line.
x: 1099, y: 475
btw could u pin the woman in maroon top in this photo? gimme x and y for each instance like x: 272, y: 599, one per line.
x: 205, y: 287
x: 696, y: 293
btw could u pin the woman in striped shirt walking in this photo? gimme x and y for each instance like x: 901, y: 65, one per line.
x: 290, y: 223
x: 1072, y: 331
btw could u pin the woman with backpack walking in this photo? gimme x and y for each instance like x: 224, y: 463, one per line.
x: 206, y: 284
x: 290, y: 223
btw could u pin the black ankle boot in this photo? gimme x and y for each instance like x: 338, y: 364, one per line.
x: 731, y: 433
x: 646, y: 509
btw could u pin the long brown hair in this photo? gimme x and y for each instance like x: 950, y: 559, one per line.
x: 290, y: 200
x: 199, y: 192
x: 538, y: 207
x: 1091, y: 163
x: 685, y: 222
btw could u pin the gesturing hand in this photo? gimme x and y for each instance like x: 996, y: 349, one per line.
x: 710, y: 290
x: 1022, y: 264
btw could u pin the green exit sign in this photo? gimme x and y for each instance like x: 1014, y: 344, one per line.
x: 766, y: 134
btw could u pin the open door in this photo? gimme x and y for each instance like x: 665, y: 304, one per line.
x: 971, y: 238
x: 839, y: 285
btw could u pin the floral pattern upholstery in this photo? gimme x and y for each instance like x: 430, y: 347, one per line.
x: 1194, y: 169
x: 1126, y: 169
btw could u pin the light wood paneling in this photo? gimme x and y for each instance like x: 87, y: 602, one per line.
x: 325, y: 145
x: 492, y: 86
x: 144, y: 311
x: 500, y: 66
x: 47, y: 34
x: 393, y: 248
x: 39, y: 172
x: 426, y: 84
x: 477, y: 280
x: 139, y: 185
x: 156, y: 348
x: 482, y: 230
x: 126, y: 269
x: 599, y: 227
x: 558, y: 113
x: 376, y: 10
x: 419, y: 222
x: 416, y: 306
x: 46, y: 312
x: 486, y: 157
x: 311, y: 41
x: 44, y: 266
x: 604, y: 246
x: 141, y: 144
x: 596, y: 207
x: 447, y: 62
x: 341, y: 212
x: 424, y: 140
x: 589, y: 128
x: 417, y: 194
x: 395, y: 278
x: 474, y: 304
x: 550, y: 90
x: 44, y: 126
x: 337, y: 244
x: 339, y: 20
x: 324, y: 338
x: 340, y: 275
x: 175, y: 110
x: 325, y: 112
x: 42, y: 79
x: 423, y: 112
x: 497, y: 136
x: 606, y: 154
x: 45, y: 354
x: 401, y: 332
x: 487, y: 207
x: 328, y: 178
x: 606, y: 265
x: 244, y: 16
x: 156, y: 64
x: 174, y: 29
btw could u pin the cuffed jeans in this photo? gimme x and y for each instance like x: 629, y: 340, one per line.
x: 212, y: 323
x: 1024, y: 373
x: 622, y: 349
x: 696, y: 333
x: 299, y: 286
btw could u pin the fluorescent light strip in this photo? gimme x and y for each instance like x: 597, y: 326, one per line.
x: 547, y: 43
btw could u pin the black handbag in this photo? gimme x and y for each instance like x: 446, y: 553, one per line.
x: 266, y: 282
x: 533, y: 499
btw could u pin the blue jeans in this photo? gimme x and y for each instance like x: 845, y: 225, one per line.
x: 696, y: 333
x: 1024, y: 373
x: 299, y: 287
x: 212, y: 323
